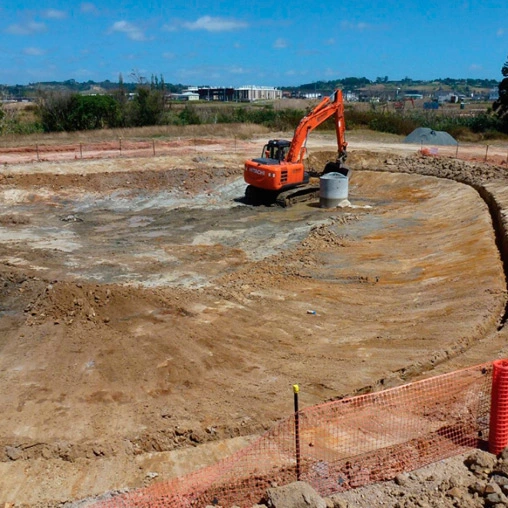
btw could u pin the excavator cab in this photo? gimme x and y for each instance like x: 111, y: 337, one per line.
x: 274, y: 151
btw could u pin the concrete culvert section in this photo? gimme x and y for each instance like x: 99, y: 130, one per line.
x: 143, y: 319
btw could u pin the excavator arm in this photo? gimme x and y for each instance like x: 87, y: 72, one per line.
x: 329, y: 106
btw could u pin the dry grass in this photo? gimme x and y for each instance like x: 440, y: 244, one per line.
x: 368, y: 135
x: 238, y: 131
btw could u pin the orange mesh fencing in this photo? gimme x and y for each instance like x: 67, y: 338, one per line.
x: 498, y: 438
x: 344, y: 444
x: 493, y: 154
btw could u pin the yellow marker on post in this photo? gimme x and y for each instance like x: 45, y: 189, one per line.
x: 296, y: 391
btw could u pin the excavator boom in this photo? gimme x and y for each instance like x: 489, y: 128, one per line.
x: 328, y: 107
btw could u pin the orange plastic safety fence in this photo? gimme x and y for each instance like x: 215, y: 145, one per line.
x: 343, y: 444
x: 498, y: 439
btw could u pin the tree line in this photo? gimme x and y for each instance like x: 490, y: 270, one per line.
x: 32, y: 90
x: 67, y: 110
x: 144, y: 105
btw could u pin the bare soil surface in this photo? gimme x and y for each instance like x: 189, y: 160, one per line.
x: 145, y: 310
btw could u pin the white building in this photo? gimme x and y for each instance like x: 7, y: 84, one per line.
x: 352, y: 97
x: 252, y: 93
x: 312, y: 95
x: 185, y: 96
x: 494, y: 94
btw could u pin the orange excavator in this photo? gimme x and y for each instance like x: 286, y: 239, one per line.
x: 278, y: 176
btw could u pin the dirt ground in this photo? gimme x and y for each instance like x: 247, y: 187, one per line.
x: 152, y: 322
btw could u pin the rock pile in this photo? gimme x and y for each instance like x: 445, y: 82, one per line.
x: 476, y: 480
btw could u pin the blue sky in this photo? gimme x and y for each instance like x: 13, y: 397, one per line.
x: 237, y: 42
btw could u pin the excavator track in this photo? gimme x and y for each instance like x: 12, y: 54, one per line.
x: 284, y: 199
x: 297, y: 195
x: 255, y: 196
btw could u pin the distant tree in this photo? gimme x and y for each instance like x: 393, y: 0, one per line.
x: 352, y: 83
x: 53, y: 107
x: 87, y: 112
x: 500, y: 106
x: 137, y: 77
x: 63, y: 111
x: 189, y: 116
x: 2, y: 117
x: 158, y: 83
x: 146, y: 108
x: 147, y: 105
x: 121, y: 96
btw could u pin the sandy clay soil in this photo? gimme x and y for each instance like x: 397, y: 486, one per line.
x: 151, y: 322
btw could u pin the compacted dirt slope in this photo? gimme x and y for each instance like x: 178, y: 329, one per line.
x: 146, y: 309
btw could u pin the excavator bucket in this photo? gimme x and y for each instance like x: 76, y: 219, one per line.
x: 337, y: 167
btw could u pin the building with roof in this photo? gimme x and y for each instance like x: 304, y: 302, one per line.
x: 251, y: 93
x: 228, y: 94
x: 494, y: 94
x: 188, y: 95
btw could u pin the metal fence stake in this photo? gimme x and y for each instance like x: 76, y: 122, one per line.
x: 296, y: 390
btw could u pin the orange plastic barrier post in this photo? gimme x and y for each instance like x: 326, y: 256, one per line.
x: 498, y: 431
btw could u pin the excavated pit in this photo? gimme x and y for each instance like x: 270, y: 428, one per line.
x: 149, y: 311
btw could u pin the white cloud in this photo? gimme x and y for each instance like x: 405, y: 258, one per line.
x: 83, y: 73
x: 168, y: 55
x: 360, y: 26
x: 238, y: 70
x: 170, y: 28
x: 211, y: 72
x: 293, y: 72
x: 132, y: 31
x: 330, y: 41
x: 215, y: 24
x: 280, y: 43
x: 500, y: 32
x: 475, y: 67
x: 89, y: 8
x: 29, y: 28
x: 34, y: 51
x: 309, y: 52
x: 54, y: 14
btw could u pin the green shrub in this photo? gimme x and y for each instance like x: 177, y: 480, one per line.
x: 189, y: 116
x: 392, y: 123
x: 356, y: 119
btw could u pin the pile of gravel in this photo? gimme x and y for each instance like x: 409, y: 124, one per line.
x: 430, y: 137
